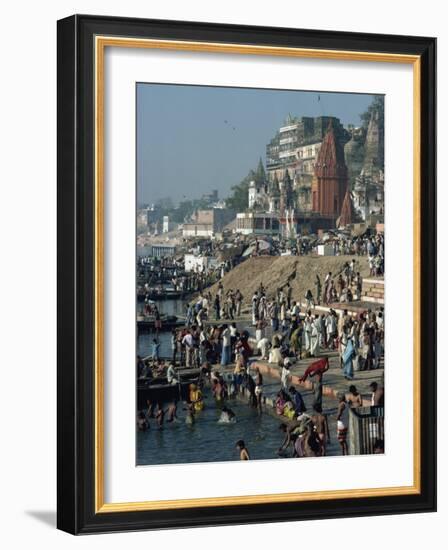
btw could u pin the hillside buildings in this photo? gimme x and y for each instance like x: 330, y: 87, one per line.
x: 319, y: 175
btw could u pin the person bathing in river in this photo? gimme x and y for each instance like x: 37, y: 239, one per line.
x: 259, y: 389
x: 250, y: 386
x: 171, y: 411
x: 320, y: 422
x: 244, y: 453
x: 190, y: 418
x: 227, y: 415
x: 196, y: 398
x: 160, y: 415
x: 142, y: 422
x: 218, y: 389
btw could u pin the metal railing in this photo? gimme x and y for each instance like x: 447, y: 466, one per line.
x: 366, y: 427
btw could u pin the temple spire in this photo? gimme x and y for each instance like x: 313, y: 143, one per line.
x: 260, y: 174
x: 330, y: 177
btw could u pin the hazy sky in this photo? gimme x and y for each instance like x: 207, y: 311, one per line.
x: 185, y: 147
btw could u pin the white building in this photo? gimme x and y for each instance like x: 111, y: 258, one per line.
x: 257, y: 194
x: 167, y: 225
x: 258, y: 223
x: 199, y: 263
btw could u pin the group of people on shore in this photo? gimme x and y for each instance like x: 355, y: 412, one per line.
x: 359, y: 338
x: 344, y: 287
x: 342, y: 244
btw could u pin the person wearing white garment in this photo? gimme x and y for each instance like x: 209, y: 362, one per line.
x: 314, y: 338
x: 285, y: 373
x: 295, y: 309
x: 330, y: 324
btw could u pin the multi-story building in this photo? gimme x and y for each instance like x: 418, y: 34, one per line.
x: 205, y: 223
x: 258, y: 223
x: 296, y: 145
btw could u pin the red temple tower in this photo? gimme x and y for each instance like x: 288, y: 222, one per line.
x: 330, y: 177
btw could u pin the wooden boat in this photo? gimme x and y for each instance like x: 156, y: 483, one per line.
x: 147, y: 324
x: 162, y: 294
x: 159, y: 391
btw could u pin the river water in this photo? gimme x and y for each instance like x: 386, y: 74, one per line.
x: 144, y: 340
x: 209, y: 441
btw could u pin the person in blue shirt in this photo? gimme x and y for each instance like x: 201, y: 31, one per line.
x: 155, y: 350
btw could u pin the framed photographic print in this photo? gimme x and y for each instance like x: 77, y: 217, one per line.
x: 246, y: 274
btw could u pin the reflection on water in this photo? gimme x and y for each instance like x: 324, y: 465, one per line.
x: 144, y: 344
x: 144, y: 340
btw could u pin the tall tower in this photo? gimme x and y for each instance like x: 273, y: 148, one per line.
x: 330, y: 177
x: 286, y: 193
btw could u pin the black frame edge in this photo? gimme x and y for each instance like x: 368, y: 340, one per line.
x: 67, y: 94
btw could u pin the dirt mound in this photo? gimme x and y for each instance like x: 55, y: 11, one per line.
x: 275, y: 271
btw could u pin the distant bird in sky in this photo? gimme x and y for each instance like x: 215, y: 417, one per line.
x: 227, y: 122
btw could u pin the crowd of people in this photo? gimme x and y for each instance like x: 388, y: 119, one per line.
x: 283, y: 331
x: 341, y: 243
x: 359, y: 338
x: 305, y: 433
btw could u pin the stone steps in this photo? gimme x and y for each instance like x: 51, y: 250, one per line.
x: 373, y: 291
